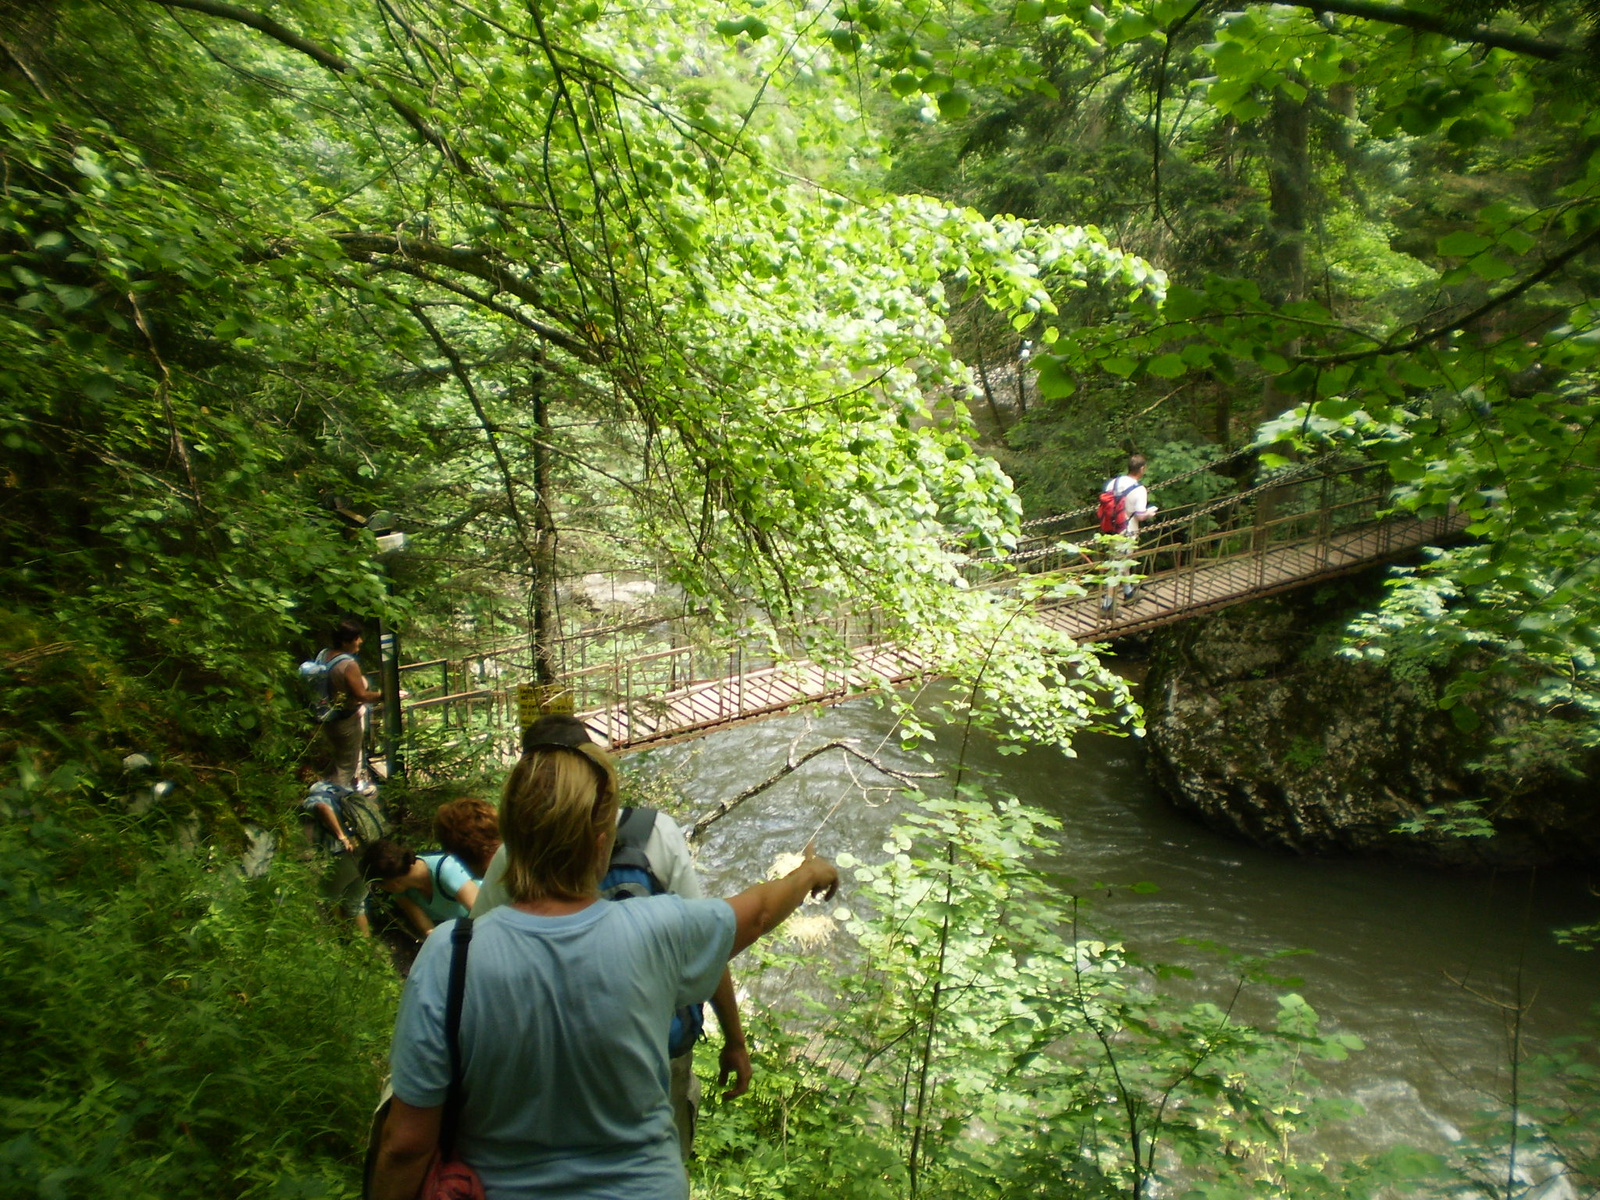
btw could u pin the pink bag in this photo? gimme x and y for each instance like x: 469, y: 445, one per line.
x: 452, y: 1181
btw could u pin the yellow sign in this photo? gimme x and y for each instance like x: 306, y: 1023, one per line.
x: 535, y: 700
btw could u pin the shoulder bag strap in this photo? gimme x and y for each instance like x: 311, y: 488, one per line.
x: 635, y: 827
x: 460, y: 940
x: 438, y: 878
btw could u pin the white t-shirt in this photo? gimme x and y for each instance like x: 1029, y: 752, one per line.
x: 665, y: 848
x: 1135, y: 503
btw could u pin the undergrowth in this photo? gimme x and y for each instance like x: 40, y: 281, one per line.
x: 178, y: 1029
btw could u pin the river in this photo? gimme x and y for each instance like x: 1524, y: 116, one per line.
x: 1407, y: 958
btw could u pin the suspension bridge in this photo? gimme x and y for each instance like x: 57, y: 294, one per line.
x: 1307, y: 523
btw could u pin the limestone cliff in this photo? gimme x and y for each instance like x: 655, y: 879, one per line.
x: 1256, y: 726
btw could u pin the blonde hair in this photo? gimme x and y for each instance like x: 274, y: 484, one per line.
x: 554, y: 808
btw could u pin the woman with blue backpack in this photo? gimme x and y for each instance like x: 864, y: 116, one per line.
x: 538, y: 1062
x: 338, y: 696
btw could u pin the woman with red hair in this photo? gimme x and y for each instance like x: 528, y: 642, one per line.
x: 469, y: 829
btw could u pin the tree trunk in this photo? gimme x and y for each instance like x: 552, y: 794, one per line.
x: 546, y: 622
x: 1289, y: 186
x: 988, y: 394
x: 1289, y: 189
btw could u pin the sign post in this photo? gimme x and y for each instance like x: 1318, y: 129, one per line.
x: 389, y: 670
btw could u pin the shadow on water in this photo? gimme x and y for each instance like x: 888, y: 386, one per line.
x: 1408, y: 958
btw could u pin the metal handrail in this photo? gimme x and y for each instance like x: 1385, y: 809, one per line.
x: 723, y: 681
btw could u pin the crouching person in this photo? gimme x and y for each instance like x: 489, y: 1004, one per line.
x: 325, y: 824
x: 427, y: 888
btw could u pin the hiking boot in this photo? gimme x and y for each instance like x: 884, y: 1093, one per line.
x: 1107, y: 601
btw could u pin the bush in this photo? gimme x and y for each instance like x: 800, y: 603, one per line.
x: 178, y: 1029
x: 977, y: 1040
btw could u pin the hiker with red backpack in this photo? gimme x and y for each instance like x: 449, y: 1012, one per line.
x: 1124, y: 503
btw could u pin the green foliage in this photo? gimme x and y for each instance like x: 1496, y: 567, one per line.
x: 1460, y: 818
x: 1382, y: 228
x: 979, y: 1040
x: 177, y: 1029
x: 1305, y: 754
x: 521, y: 279
x: 1547, y: 1128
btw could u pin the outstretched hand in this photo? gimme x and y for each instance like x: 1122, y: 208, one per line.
x: 826, y: 874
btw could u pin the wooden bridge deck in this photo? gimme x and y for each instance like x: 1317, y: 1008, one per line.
x: 1189, y: 591
x: 711, y: 704
x: 1163, y: 598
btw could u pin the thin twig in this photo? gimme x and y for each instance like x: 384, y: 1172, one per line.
x: 697, y: 830
x: 179, y: 446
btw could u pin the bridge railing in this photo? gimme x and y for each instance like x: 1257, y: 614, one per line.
x: 458, y: 705
x: 1303, y: 507
x: 473, y: 701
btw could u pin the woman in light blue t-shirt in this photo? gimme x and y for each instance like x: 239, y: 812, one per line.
x: 428, y: 888
x: 567, y: 1006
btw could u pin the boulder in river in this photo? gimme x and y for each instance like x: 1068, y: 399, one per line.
x: 1259, y: 727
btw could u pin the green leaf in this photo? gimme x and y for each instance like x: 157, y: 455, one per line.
x: 1466, y: 719
x: 1518, y: 241
x: 904, y: 84
x: 1250, y: 109
x: 1182, y: 303
x: 1029, y: 12
x: 1418, y: 121
x: 751, y: 26
x: 1129, y: 27
x: 954, y: 105
x: 1461, y: 243
x: 1167, y: 366
x: 1336, y: 408
x: 1490, y: 266
x: 1053, y: 381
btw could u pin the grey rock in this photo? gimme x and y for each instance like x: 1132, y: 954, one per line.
x: 1258, y: 728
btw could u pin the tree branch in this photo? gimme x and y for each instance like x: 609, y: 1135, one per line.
x: 1161, y: 92
x: 179, y: 446
x: 1394, y: 14
x: 327, y: 59
x: 1488, y: 306
x: 26, y: 70
x: 696, y: 831
x: 567, y: 342
x: 465, y: 380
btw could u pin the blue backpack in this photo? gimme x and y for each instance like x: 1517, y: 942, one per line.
x: 316, y: 682
x: 629, y: 876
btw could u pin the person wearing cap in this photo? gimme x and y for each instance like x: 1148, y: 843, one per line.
x: 672, y: 864
x: 563, y: 1070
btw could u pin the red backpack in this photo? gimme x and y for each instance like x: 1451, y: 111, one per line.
x: 1114, y: 508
